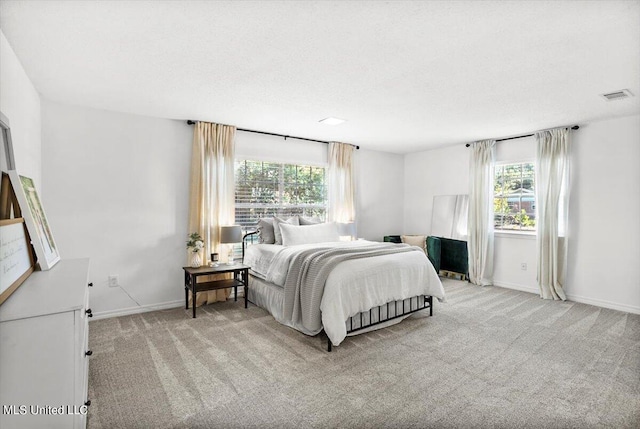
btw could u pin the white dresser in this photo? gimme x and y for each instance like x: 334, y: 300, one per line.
x: 44, y: 355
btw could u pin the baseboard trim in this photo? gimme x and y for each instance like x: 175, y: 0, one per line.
x: 136, y: 310
x: 576, y: 298
x: 179, y: 303
x: 605, y: 304
x: 516, y: 286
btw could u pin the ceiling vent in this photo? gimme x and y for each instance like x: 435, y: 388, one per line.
x: 618, y: 95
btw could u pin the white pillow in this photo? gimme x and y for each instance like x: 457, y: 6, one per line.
x: 293, y: 235
x: 309, y: 220
x: 277, y: 222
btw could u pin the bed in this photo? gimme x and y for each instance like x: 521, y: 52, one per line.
x: 339, y: 287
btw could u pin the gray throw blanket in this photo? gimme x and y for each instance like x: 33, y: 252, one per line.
x: 308, y: 272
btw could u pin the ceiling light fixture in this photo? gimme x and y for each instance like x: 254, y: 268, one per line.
x: 331, y: 121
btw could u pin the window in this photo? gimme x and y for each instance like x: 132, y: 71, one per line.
x: 514, y: 201
x: 267, y: 189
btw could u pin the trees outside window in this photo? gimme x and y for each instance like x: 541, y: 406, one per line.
x: 514, y: 201
x: 267, y: 189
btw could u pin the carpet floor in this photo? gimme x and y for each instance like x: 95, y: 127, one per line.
x: 488, y: 358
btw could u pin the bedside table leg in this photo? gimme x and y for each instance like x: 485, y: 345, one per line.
x: 186, y: 291
x: 245, y: 280
x: 235, y: 288
x: 193, y: 295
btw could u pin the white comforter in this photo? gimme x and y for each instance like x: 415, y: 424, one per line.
x: 355, y: 285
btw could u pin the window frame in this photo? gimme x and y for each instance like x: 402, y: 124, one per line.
x: 525, y: 233
x: 281, y: 208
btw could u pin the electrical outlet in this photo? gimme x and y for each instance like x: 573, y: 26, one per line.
x: 523, y: 266
x: 113, y: 281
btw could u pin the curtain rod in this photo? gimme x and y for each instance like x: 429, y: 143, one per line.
x: 191, y: 122
x: 575, y: 127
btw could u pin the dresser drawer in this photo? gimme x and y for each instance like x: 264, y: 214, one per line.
x: 44, y: 335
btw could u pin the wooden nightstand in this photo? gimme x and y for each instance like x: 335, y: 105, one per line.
x: 240, y: 278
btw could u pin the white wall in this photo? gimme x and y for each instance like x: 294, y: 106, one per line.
x: 20, y: 103
x: 443, y: 171
x: 272, y: 148
x: 604, y: 227
x: 604, y: 249
x: 117, y: 190
x: 379, y: 194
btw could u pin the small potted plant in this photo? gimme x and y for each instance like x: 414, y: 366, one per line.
x: 195, y: 244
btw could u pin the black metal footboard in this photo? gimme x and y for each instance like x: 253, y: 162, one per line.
x: 386, y: 312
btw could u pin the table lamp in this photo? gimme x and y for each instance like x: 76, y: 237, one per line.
x: 230, y: 235
x: 346, y: 231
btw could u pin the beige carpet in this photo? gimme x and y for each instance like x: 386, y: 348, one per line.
x: 488, y: 358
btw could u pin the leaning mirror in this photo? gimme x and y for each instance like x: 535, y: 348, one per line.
x: 449, y: 216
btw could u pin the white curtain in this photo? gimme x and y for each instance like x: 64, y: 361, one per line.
x: 212, y: 192
x: 552, y: 203
x: 342, y: 207
x: 480, y: 222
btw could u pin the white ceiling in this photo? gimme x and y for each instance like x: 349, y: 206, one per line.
x: 407, y: 76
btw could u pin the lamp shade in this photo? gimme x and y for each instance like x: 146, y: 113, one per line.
x: 230, y: 234
x: 347, y: 229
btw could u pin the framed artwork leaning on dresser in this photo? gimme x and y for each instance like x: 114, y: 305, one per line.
x: 36, y: 220
x: 16, y: 260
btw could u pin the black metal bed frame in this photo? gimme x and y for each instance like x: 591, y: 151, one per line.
x: 253, y: 235
x: 427, y: 302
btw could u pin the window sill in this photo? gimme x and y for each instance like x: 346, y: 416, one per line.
x: 525, y: 235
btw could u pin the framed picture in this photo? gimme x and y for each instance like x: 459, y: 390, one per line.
x: 34, y: 217
x: 16, y: 259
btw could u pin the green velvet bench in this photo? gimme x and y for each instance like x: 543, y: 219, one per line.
x: 446, y: 255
